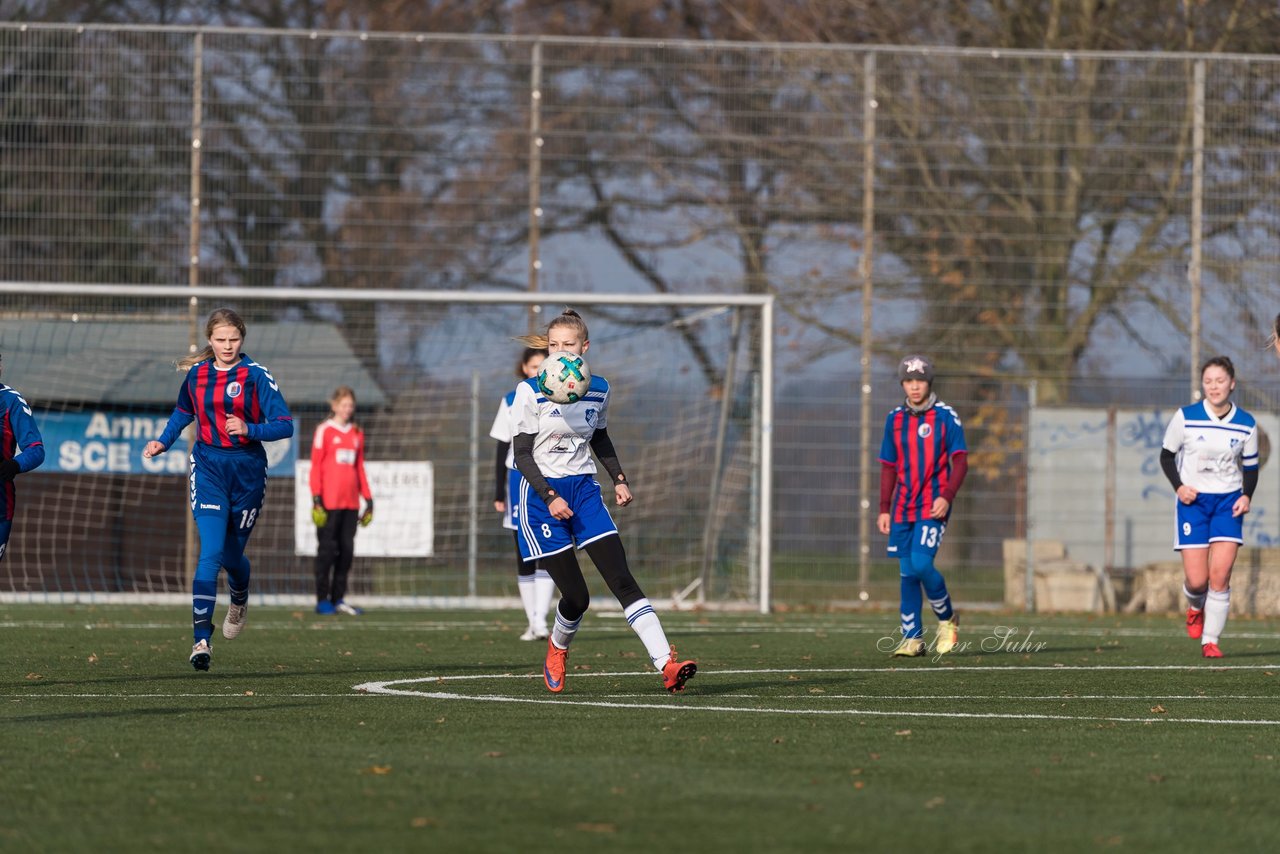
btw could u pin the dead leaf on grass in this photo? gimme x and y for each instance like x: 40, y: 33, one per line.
x: 596, y: 827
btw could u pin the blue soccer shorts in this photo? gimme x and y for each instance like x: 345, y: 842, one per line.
x: 511, y: 519
x: 542, y: 534
x: 230, y: 484
x: 1207, y: 520
x: 922, y: 536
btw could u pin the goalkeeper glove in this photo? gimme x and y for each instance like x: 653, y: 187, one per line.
x: 368, y: 515
x: 9, y: 469
x: 318, y: 514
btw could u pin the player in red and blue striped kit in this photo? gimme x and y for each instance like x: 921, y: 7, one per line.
x: 17, y: 430
x: 923, y: 462
x: 236, y: 405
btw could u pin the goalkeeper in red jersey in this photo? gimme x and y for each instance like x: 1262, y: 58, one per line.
x: 338, y: 482
x: 21, y: 450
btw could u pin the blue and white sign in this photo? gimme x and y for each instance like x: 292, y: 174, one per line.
x: 107, y: 442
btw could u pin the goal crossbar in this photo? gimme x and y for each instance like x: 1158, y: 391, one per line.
x: 764, y: 303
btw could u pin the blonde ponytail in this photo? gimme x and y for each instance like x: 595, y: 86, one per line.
x: 568, y: 317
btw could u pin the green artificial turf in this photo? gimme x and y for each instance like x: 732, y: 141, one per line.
x: 799, y: 733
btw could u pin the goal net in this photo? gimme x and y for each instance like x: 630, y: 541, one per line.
x: 690, y: 415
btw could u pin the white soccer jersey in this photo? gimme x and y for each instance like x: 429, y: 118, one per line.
x: 1212, y: 451
x: 564, y: 430
x: 502, y: 425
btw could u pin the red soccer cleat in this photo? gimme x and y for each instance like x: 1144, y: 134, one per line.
x: 1195, y: 623
x: 1210, y: 650
x: 675, y: 673
x: 553, y: 670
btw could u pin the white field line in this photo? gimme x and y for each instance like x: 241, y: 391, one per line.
x: 389, y: 689
x: 970, y: 633
x: 677, y: 706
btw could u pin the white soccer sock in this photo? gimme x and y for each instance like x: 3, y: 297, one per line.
x: 563, y: 631
x: 1215, y: 615
x: 1194, y: 600
x: 544, y: 590
x: 525, y: 583
x: 644, y: 621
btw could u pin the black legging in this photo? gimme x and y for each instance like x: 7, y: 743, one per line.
x: 335, y: 547
x: 611, y: 562
x: 524, y: 569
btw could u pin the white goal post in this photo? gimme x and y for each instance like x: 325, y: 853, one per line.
x: 96, y: 362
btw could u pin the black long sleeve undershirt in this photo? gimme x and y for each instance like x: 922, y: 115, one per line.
x: 602, y: 447
x: 500, y: 472
x: 1169, y: 464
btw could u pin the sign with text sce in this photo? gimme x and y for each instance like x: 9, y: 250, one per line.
x: 105, y: 442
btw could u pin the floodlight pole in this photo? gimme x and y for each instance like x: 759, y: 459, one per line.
x: 865, y: 273
x: 535, y: 180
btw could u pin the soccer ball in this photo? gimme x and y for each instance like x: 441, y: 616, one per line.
x: 564, y: 377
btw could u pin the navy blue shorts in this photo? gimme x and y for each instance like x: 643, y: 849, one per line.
x: 924, y: 536
x: 230, y: 484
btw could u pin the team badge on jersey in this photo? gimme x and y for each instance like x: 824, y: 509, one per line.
x: 924, y: 431
x: 234, y: 389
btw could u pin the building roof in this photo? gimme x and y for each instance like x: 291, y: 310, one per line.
x: 133, y: 362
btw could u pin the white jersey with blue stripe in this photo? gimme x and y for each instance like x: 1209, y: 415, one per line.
x: 502, y: 425
x: 562, y: 447
x: 1213, y: 451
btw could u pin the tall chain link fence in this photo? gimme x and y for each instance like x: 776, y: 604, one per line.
x: 1056, y: 230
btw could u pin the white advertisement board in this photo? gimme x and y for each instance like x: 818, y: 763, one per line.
x: 402, y: 511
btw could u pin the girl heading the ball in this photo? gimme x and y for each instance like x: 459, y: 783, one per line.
x: 560, y: 508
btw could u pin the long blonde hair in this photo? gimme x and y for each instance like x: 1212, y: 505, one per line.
x: 218, y: 317
x: 568, y: 317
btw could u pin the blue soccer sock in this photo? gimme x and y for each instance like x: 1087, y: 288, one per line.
x: 204, y: 596
x: 935, y: 587
x: 911, y: 601
x: 204, y: 587
x: 237, y: 566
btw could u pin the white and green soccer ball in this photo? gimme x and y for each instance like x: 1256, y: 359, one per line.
x: 564, y: 377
